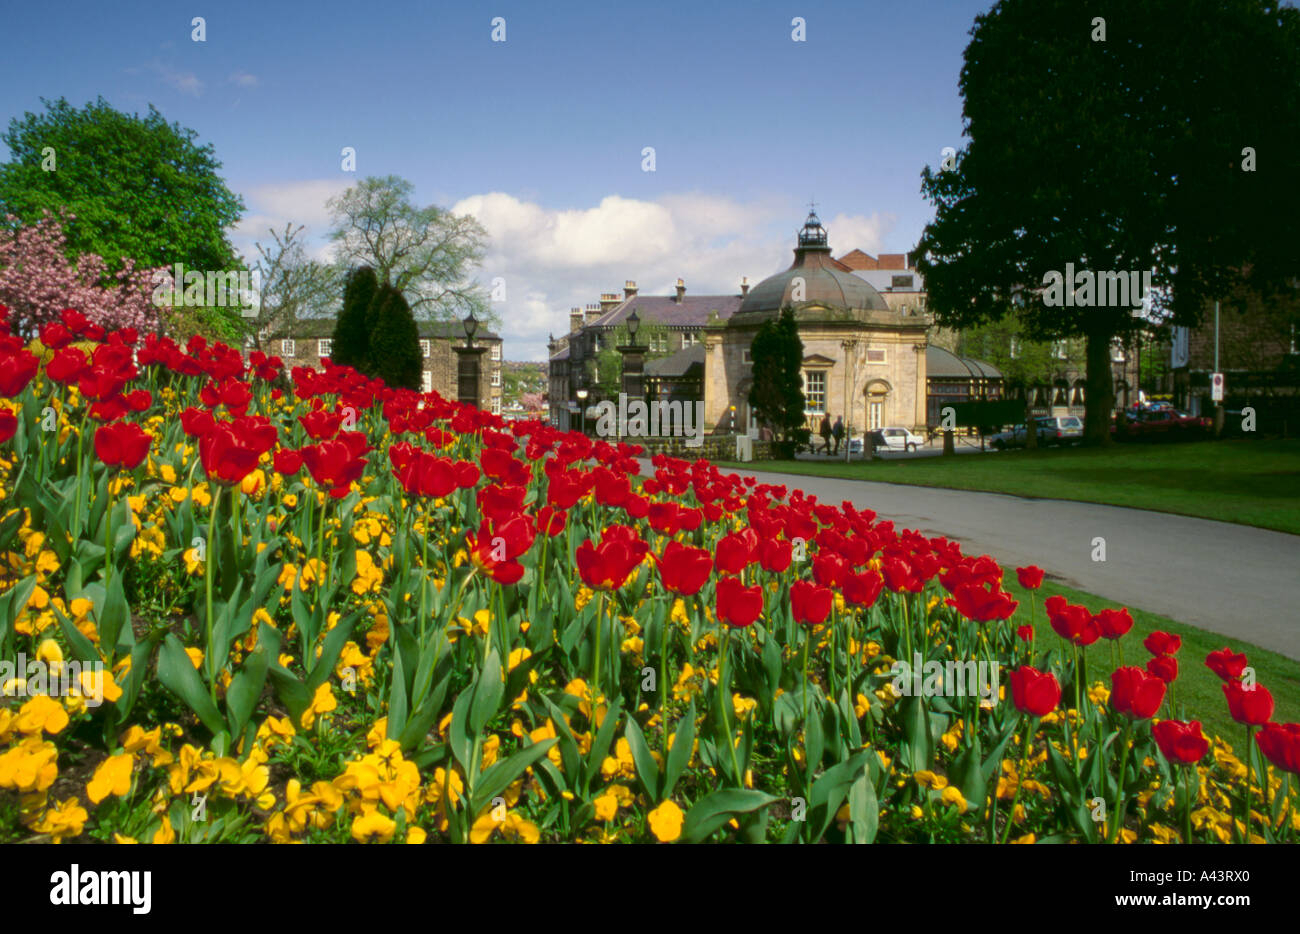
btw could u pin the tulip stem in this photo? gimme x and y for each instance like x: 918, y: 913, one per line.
x: 1123, y: 767
x: 108, y: 537
x: 210, y: 655
x: 595, y: 673
x: 1029, y: 728
x: 725, y: 699
x: 1187, y: 809
x: 807, y: 641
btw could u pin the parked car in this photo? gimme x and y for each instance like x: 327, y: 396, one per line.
x: 881, y: 444
x: 900, y: 439
x: 1060, y: 429
x: 1052, y: 429
x: 1155, y: 424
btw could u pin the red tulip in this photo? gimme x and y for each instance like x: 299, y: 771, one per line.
x: 287, y: 462
x: 1034, y: 692
x: 226, y: 458
x: 197, y: 422
x: 775, y: 555
x: 1164, y: 667
x: 900, y: 576
x: 332, y: 464
x: 1181, y: 743
x: 810, y: 602
x: 1135, y: 694
x: 122, y: 444
x: 55, y: 336
x: 68, y: 365
x: 1163, y: 643
x: 321, y: 425
x: 863, y: 589
x: 608, y: 565
x: 737, y: 605
x: 551, y: 521
x: 1226, y: 664
x: 1072, y: 623
x: 139, y: 400
x: 737, y: 551
x: 1025, y: 632
x: 75, y: 321
x: 663, y: 517
x: 1252, y: 706
x: 8, y: 425
x: 684, y: 569
x: 501, y: 502
x: 829, y: 568
x: 1280, y: 744
x: 17, y: 371
x: 1114, y: 624
x: 1031, y: 578
x: 975, y: 603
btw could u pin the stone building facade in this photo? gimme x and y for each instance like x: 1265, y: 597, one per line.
x: 306, y: 342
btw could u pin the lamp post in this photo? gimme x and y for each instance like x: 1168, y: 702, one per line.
x: 468, y: 365
x: 582, y: 408
x: 633, y: 355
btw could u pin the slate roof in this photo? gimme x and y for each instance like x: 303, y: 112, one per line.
x: 947, y: 365
x: 693, y: 312
x: 678, y: 365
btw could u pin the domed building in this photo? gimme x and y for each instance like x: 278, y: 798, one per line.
x: 864, y: 358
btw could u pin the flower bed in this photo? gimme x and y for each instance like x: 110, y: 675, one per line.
x: 360, y: 613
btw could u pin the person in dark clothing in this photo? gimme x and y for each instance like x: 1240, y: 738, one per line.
x: 838, y: 432
x: 825, y: 432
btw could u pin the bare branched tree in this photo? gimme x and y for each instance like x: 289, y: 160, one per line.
x: 292, y: 285
x: 425, y: 253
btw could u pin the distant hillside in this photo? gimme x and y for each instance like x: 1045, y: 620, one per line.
x: 519, y: 377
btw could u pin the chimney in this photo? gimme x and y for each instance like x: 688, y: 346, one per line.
x: 593, y: 312
x: 575, y: 320
x: 744, y: 286
x: 608, y: 300
x: 681, y: 291
x: 629, y: 288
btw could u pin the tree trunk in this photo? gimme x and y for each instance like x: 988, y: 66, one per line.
x: 1101, y: 390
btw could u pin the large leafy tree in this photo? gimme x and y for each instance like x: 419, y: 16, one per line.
x: 139, y: 188
x: 1118, y: 145
x: 394, y: 341
x: 425, y: 253
x: 777, y: 393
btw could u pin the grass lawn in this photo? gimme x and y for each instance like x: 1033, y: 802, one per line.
x: 1249, y: 482
x: 1197, y: 690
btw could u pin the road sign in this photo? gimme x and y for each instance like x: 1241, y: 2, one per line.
x: 1216, y: 387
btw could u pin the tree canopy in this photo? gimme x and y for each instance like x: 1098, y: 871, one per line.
x: 777, y: 393
x: 139, y: 188
x: 1116, y: 137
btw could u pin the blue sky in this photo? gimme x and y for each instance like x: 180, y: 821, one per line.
x: 541, y: 136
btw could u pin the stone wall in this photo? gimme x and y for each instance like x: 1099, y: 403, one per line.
x: 713, y: 448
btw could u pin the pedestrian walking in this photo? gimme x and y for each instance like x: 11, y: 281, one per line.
x: 825, y: 432
x: 838, y: 432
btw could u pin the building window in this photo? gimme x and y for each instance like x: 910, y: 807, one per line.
x: 659, y: 343
x: 690, y: 339
x: 1015, y: 347
x: 875, y: 356
x: 426, y: 381
x: 324, y: 347
x: 814, y: 391
x: 496, y: 406
x: 426, y: 348
x: 496, y: 377
x: 496, y: 352
x: 875, y: 416
x: 287, y: 348
x: 748, y: 357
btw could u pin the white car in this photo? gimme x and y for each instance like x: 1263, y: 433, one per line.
x: 900, y: 439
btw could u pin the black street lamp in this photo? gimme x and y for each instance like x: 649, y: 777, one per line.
x: 468, y: 365
x: 582, y: 408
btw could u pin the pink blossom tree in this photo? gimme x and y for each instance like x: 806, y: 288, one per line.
x: 38, y: 280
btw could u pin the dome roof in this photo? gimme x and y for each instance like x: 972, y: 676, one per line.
x: 824, y: 285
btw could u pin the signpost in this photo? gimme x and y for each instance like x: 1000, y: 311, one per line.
x: 1216, y: 387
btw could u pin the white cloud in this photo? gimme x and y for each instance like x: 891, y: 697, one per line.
x: 274, y: 206
x: 244, y: 79
x: 553, y: 260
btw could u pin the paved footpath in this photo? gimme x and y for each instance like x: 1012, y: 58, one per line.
x: 1235, y: 580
